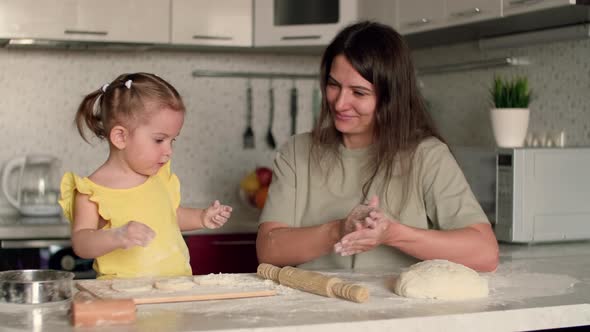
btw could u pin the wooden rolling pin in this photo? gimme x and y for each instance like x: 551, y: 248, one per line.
x: 313, y: 282
x: 89, y: 311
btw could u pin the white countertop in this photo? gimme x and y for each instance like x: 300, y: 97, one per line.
x: 535, y: 287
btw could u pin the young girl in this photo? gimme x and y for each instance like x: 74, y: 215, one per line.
x: 127, y: 214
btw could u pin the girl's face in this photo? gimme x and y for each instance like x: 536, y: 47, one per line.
x: 352, y: 103
x: 149, y: 145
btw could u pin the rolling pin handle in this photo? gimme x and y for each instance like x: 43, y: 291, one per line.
x: 268, y: 271
x: 351, y: 292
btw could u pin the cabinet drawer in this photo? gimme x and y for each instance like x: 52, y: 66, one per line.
x: 227, y: 253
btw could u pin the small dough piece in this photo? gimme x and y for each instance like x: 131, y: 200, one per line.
x: 441, y: 279
x: 174, y: 284
x: 132, y: 286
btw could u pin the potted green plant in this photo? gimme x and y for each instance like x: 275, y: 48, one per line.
x: 510, y: 115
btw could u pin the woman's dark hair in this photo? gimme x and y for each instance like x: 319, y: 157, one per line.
x: 381, y: 56
x: 123, y: 101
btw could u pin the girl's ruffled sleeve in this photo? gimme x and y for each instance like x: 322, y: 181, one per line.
x: 70, y: 184
x: 172, y: 184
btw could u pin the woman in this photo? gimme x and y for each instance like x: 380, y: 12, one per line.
x: 374, y: 143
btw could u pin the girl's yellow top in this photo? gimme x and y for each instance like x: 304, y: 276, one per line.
x: 153, y: 203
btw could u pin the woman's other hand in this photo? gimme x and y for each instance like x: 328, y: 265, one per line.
x: 373, y: 232
x: 216, y: 215
x: 355, y: 219
x: 134, y: 234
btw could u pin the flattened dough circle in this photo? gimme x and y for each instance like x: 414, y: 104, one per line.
x: 127, y: 286
x: 174, y: 284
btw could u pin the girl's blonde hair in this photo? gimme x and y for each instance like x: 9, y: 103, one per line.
x: 123, y: 101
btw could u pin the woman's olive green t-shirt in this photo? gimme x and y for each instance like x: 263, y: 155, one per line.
x: 301, y: 194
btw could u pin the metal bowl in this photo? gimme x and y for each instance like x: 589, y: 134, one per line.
x: 35, y: 286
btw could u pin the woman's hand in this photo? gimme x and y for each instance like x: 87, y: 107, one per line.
x: 354, y: 220
x: 133, y: 234
x: 373, y: 232
x: 216, y: 215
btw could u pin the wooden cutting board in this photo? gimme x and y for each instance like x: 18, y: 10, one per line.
x: 102, y: 289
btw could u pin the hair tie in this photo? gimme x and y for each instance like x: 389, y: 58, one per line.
x: 128, y: 84
x: 104, y: 87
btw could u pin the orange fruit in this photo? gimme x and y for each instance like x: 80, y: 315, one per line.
x: 250, y: 183
x: 260, y: 198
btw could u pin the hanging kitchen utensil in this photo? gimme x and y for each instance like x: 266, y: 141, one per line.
x: 293, y: 109
x: 270, y: 140
x: 248, y: 137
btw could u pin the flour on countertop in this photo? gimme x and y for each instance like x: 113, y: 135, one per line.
x: 242, y: 281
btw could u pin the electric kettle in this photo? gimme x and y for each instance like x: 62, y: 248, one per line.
x: 37, y: 184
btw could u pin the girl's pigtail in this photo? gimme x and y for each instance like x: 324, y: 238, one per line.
x: 87, y: 116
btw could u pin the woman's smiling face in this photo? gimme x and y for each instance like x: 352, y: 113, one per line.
x: 352, y: 102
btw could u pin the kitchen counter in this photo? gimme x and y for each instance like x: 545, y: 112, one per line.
x: 535, y: 287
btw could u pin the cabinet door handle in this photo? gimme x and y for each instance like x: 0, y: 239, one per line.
x: 523, y: 2
x: 85, y: 32
x: 467, y: 13
x: 19, y: 244
x: 212, y: 37
x: 300, y: 37
x: 420, y: 22
x: 234, y: 243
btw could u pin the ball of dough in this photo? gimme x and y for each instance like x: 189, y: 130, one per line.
x: 441, y: 279
x: 174, y: 284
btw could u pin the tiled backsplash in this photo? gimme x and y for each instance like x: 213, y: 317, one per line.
x: 40, y: 90
x: 559, y: 76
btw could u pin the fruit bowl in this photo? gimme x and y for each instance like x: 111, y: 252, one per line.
x: 253, y: 188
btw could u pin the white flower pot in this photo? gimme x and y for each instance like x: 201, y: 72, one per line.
x: 509, y: 126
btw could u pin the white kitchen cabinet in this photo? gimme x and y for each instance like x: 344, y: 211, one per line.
x: 36, y: 19
x: 143, y: 21
x: 205, y: 22
x: 467, y: 11
x: 313, y: 22
x: 420, y: 15
x: 511, y: 7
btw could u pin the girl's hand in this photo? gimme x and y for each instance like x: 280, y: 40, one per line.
x: 374, y: 231
x: 134, y: 234
x: 215, y: 215
x: 355, y: 219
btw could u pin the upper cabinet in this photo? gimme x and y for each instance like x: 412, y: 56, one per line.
x: 36, y: 19
x: 312, y: 22
x: 419, y: 15
x: 274, y: 23
x: 205, y: 22
x: 142, y: 21
x: 422, y: 15
x: 139, y: 21
x: 467, y: 11
x: 510, y: 7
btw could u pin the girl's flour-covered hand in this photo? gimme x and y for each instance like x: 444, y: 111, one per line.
x: 216, y: 215
x: 134, y: 234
